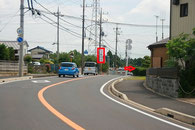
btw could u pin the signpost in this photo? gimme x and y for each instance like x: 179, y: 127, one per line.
x: 128, y: 47
x: 85, y: 52
x: 101, y: 55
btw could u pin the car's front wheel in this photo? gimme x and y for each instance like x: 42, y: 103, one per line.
x: 59, y: 75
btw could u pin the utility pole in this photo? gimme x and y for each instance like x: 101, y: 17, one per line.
x: 100, y: 35
x: 58, y: 14
x: 21, y: 56
x: 96, y: 11
x: 117, y: 33
x: 58, y: 31
x: 126, y: 55
x: 100, y: 39
x: 156, y: 27
x: 83, y: 36
x: 162, y: 28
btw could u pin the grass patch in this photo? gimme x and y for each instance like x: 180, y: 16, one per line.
x: 136, y: 78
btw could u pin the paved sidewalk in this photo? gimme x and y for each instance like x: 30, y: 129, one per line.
x: 135, y: 91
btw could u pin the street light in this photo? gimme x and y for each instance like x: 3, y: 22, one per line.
x: 156, y: 27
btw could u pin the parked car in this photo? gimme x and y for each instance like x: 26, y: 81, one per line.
x: 129, y: 73
x: 90, y: 68
x: 36, y: 63
x: 68, y: 68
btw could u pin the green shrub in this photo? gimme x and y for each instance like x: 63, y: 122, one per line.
x: 105, y: 67
x: 139, y: 71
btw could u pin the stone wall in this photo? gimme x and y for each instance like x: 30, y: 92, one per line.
x: 163, y: 86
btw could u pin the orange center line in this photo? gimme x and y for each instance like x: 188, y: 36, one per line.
x: 53, y: 110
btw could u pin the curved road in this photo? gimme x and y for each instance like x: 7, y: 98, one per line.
x: 69, y: 104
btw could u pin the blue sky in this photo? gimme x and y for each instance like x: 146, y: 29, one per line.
x: 38, y: 32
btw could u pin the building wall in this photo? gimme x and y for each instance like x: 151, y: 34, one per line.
x: 37, y: 51
x: 182, y: 24
x: 159, y: 56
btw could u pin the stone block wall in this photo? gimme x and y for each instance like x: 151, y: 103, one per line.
x: 163, y: 86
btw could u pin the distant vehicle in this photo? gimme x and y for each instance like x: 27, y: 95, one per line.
x: 129, y: 73
x: 90, y: 68
x: 68, y: 68
x: 121, y: 71
x: 36, y: 63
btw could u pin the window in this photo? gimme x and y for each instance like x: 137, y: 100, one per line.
x: 66, y: 65
x: 90, y: 65
x: 184, y: 10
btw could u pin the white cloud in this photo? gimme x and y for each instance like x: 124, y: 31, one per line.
x: 146, y: 9
x: 150, y: 6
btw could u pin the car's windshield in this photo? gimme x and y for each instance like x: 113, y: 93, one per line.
x: 66, y: 65
x: 89, y: 64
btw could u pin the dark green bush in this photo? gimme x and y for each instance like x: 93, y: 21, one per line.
x: 139, y: 71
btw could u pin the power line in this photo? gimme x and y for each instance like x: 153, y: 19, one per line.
x: 61, y: 28
x: 8, y: 21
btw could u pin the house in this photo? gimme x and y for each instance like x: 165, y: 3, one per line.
x: 182, y: 20
x: 16, y: 47
x: 39, y: 52
x: 158, y: 53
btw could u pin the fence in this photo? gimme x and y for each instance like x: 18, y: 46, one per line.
x: 10, y: 68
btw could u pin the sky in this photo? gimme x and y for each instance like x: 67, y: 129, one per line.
x: 37, y: 32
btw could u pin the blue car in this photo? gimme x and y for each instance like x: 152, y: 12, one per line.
x: 68, y: 68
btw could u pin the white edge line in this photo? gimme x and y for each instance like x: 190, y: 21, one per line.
x: 137, y: 110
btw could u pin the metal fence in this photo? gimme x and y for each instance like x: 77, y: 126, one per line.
x: 163, y: 72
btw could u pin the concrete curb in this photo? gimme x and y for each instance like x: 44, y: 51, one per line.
x: 116, y: 92
x: 125, y: 98
x: 15, y: 79
x: 163, y: 111
x: 42, y: 75
x: 177, y: 115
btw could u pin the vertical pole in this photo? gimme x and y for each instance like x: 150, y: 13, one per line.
x: 116, y: 46
x: 95, y: 26
x: 162, y: 28
x: 126, y: 58
x: 21, y: 56
x: 100, y: 40
x: 83, y: 35
x: 58, y: 35
x: 156, y: 28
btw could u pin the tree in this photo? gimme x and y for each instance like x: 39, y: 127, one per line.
x: 6, y: 53
x: 182, y: 50
x: 28, y: 59
x: 11, y: 53
x: 146, y: 62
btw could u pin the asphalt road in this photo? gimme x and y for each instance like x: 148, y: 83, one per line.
x: 79, y: 101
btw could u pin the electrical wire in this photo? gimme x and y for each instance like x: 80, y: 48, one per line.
x: 8, y: 21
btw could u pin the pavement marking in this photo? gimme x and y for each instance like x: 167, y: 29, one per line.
x: 53, y: 110
x: 40, y: 81
x: 137, y: 110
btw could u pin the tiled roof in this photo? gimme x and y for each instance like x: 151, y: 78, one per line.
x: 159, y: 43
x: 39, y: 47
x: 13, y: 44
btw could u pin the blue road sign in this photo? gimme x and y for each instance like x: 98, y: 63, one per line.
x: 86, y: 52
x: 20, y: 39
